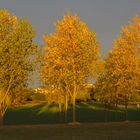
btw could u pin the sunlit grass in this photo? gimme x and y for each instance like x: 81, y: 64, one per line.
x: 48, y: 109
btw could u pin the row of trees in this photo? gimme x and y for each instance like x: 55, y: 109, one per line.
x: 71, y: 57
x: 120, y: 80
x: 70, y: 54
x: 17, y: 53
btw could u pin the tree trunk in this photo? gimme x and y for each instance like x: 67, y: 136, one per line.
x: 60, y: 107
x: 1, y: 119
x: 73, y: 108
x: 126, y: 113
x: 105, y: 113
x: 116, y: 107
x: 66, y: 108
x: 60, y: 111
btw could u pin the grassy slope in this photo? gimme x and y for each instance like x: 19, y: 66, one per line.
x: 85, y: 112
x: 92, y: 131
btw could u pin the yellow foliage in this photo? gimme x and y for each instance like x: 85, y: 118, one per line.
x: 70, y: 53
x: 121, y: 77
x: 16, y: 53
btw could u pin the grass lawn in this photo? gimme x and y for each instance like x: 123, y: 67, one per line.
x: 84, y: 131
x: 85, y: 113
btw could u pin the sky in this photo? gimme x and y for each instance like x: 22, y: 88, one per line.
x: 105, y: 17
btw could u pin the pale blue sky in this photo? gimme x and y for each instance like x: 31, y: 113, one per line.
x: 105, y: 17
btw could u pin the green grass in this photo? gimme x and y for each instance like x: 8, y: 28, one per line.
x: 51, y: 123
x: 84, y: 131
x: 85, y: 113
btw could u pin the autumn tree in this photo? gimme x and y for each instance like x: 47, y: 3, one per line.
x: 119, y: 81
x: 70, y: 53
x: 17, y: 53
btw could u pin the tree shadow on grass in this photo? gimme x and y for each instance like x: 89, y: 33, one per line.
x: 94, y: 112
x: 49, y: 114
x: 36, y: 114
